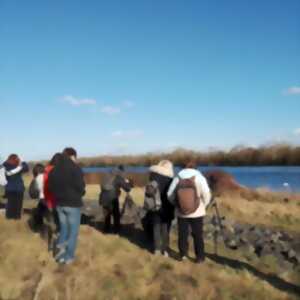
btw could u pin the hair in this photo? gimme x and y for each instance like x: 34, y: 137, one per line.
x: 55, y: 160
x: 13, y: 159
x: 69, y: 151
x: 190, y: 164
x: 121, y: 168
x: 38, y: 169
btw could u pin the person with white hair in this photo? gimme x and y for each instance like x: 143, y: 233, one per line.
x: 160, y: 218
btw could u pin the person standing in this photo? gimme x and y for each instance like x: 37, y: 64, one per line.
x: 162, y: 174
x: 66, y: 182
x: 190, y: 193
x: 111, y: 186
x: 14, y: 189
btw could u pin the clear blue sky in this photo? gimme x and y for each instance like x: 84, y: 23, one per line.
x: 136, y: 76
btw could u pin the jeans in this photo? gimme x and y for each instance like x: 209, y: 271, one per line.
x: 196, y: 225
x: 69, y: 222
x: 160, y: 233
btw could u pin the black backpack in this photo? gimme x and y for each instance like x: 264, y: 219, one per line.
x: 33, y: 190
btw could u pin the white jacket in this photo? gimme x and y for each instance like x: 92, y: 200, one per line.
x: 40, y: 185
x: 202, y: 187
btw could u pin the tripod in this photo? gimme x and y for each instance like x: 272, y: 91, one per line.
x: 213, y: 204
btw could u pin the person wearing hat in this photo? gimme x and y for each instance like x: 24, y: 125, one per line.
x: 161, y: 220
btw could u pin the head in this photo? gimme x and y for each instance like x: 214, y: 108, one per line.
x: 164, y: 167
x: 71, y: 153
x: 121, y: 168
x: 13, y: 159
x: 38, y: 169
x: 55, y: 160
x: 190, y: 164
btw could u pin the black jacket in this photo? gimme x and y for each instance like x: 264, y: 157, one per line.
x: 164, y: 182
x: 66, y: 182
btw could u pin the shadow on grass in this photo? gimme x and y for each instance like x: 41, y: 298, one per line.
x: 134, y: 235
x: 273, y: 280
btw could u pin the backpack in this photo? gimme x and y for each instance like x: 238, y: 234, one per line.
x: 108, y: 191
x: 3, y: 181
x: 152, y: 201
x: 33, y: 190
x: 186, y: 196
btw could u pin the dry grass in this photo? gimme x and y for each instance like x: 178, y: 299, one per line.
x: 277, y: 154
x: 110, y: 267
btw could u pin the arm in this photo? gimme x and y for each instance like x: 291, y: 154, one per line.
x: 171, y: 191
x: 204, y: 188
x: 123, y: 183
x: 40, y: 185
x: 14, y: 171
x: 78, y: 183
x: 22, y: 168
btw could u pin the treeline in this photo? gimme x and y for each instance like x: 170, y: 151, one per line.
x: 274, y: 155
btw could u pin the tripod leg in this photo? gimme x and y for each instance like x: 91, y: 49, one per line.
x: 219, y: 222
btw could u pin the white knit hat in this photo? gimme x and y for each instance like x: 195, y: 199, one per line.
x: 164, y: 167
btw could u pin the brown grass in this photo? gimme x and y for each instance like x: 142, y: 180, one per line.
x: 110, y: 267
x: 278, y: 154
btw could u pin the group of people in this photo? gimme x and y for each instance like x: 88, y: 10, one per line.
x: 60, y: 187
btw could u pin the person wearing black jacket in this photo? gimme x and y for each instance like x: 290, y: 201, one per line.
x: 66, y: 182
x: 161, y: 221
x: 111, y: 188
x: 14, y: 189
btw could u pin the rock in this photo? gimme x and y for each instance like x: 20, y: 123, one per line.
x: 265, y: 250
x: 209, y: 228
x: 292, y: 254
x: 238, y: 228
x: 285, y: 247
x: 232, y: 244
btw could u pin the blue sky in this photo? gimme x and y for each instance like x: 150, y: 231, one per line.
x: 114, y: 77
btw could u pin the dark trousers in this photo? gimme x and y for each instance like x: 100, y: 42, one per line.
x: 114, y: 212
x: 160, y: 233
x: 39, y: 214
x: 196, y: 225
x: 14, y: 205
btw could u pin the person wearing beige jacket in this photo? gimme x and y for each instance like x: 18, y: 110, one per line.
x: 193, y: 220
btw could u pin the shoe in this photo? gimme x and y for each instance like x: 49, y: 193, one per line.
x: 199, y: 261
x: 69, y: 261
x: 183, y: 258
x: 60, y: 252
x: 166, y: 254
x: 61, y: 261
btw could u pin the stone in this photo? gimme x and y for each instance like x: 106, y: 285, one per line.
x: 292, y: 254
x: 265, y: 250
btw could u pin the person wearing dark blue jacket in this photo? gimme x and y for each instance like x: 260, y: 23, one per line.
x: 14, y: 189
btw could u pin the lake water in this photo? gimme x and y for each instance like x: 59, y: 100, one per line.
x: 274, y: 178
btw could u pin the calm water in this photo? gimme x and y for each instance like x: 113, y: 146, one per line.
x: 275, y: 178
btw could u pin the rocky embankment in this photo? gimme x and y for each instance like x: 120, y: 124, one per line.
x: 256, y: 241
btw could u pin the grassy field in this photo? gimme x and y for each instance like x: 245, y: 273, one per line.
x: 112, y: 267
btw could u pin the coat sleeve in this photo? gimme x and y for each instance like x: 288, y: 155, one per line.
x: 25, y: 167
x: 171, y: 191
x: 14, y: 171
x: 78, y: 183
x: 203, y: 189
